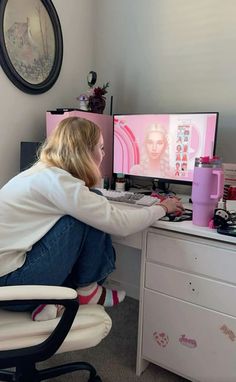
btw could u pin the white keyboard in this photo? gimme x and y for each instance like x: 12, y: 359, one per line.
x: 129, y: 197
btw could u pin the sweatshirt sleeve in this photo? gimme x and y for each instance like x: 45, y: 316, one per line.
x: 71, y: 197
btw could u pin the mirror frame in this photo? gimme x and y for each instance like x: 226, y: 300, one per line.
x: 7, y: 64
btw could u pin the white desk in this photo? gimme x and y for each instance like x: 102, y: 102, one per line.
x: 187, y: 314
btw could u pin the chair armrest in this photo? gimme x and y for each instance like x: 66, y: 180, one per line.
x: 36, y: 292
x: 40, y: 294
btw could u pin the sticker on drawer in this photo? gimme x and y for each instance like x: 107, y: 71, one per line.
x: 228, y: 332
x: 161, y: 339
x: 189, y: 342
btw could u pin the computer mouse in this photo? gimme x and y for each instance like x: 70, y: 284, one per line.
x: 179, y: 216
x: 173, y: 215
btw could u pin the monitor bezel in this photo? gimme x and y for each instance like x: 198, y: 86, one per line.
x: 164, y: 180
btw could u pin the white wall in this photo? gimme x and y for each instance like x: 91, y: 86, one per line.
x: 22, y: 116
x: 171, y: 56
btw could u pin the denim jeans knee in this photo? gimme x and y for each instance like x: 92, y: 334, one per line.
x: 71, y: 253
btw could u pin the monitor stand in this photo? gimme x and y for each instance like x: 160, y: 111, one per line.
x: 160, y: 186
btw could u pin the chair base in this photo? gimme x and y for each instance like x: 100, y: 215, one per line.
x: 29, y: 373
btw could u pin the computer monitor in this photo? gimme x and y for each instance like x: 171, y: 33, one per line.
x: 162, y: 146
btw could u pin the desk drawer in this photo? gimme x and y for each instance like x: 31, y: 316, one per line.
x: 195, y: 289
x: 195, y: 255
x: 192, y: 341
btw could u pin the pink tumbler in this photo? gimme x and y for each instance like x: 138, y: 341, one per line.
x: 207, y: 189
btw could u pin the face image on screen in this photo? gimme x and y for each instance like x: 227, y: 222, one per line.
x: 162, y: 146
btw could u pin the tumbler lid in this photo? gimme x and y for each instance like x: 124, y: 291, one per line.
x: 207, y: 161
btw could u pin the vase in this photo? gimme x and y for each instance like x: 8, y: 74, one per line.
x: 97, y: 104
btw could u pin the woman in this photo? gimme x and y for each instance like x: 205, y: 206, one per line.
x: 154, y: 155
x: 55, y: 231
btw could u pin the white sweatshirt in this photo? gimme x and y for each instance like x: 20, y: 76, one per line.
x: 34, y: 200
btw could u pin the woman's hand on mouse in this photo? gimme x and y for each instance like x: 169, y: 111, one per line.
x: 172, y: 205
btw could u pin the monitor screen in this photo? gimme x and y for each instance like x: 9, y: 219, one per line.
x: 162, y: 146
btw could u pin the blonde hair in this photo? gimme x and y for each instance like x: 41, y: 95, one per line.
x: 156, y: 127
x: 70, y: 148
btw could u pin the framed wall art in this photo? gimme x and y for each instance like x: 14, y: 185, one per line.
x: 31, y: 44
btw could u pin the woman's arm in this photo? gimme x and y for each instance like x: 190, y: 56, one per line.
x: 70, y: 196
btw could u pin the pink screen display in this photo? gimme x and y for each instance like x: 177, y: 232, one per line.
x: 162, y: 145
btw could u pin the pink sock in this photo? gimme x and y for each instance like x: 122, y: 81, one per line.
x: 45, y: 312
x: 97, y: 294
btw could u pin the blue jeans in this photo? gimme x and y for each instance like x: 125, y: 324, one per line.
x: 71, y: 254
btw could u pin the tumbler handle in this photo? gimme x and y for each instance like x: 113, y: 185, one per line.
x: 219, y: 175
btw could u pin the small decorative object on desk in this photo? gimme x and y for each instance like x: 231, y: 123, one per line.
x: 97, y: 101
x: 94, y: 99
x: 120, y: 182
x: 83, y: 102
x: 225, y: 222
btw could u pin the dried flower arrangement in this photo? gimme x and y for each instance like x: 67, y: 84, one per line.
x: 97, y: 99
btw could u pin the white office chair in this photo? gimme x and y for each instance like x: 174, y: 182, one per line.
x: 24, y: 343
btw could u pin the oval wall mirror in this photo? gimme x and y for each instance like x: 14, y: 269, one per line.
x: 31, y: 44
